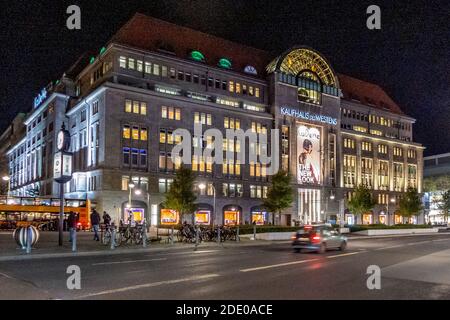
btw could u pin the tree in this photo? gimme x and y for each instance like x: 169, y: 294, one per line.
x: 445, y: 204
x: 280, y: 194
x: 181, y: 196
x: 362, y: 201
x: 410, y: 204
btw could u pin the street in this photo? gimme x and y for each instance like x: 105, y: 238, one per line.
x: 412, y: 267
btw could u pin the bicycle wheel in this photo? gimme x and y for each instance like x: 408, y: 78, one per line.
x: 118, y: 239
x: 106, y: 237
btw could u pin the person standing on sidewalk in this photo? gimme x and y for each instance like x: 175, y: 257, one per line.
x: 106, y: 219
x: 95, y: 221
x: 72, y: 223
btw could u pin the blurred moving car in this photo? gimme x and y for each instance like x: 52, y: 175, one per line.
x: 318, y: 238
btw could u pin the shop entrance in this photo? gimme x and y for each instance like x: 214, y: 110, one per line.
x: 231, y: 215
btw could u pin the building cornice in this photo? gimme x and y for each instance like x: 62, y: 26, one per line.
x: 378, y: 138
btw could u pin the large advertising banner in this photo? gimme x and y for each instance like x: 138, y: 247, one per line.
x: 308, y: 148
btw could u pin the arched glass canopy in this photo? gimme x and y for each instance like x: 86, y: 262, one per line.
x: 304, y: 62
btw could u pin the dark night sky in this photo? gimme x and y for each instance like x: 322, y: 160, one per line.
x: 409, y: 57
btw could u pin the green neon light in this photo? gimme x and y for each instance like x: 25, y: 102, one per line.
x: 92, y: 60
x: 197, y: 56
x: 102, y: 50
x: 225, y: 63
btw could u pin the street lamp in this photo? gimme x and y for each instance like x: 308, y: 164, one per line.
x: 7, y: 179
x: 202, y: 186
x: 392, y: 200
x: 130, y: 186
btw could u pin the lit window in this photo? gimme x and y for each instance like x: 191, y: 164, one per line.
x: 171, y: 113
x: 143, y: 108
x: 231, y: 86
x: 257, y: 92
x: 128, y: 105
x: 164, y: 71
x: 135, y: 133
x: 126, y: 132
x: 164, y: 112
x: 156, y: 69
x: 144, y: 134
x: 131, y: 64
x: 136, y: 107
x: 177, y: 114
x: 139, y: 66
x: 148, y: 67
x: 238, y: 87
x: 123, y: 62
x: 162, y: 136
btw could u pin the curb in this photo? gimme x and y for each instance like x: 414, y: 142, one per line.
x: 36, y: 256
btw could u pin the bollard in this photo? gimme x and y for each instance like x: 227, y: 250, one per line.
x: 74, y: 239
x: 113, y: 238
x: 171, y: 237
x: 218, y: 235
x: 29, y: 239
x: 196, y: 238
x: 144, y: 236
x: 237, y: 234
x: 254, y: 232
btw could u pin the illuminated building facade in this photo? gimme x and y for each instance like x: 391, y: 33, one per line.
x: 122, y: 105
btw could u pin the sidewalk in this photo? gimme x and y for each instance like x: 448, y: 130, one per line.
x: 47, y: 247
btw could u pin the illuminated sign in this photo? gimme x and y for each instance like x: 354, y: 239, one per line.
x: 40, y: 98
x: 308, y: 162
x: 250, y: 70
x: 286, y: 111
x: 225, y: 63
x: 197, y: 56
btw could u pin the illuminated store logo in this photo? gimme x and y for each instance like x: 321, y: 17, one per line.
x: 40, y: 98
x: 286, y: 111
x: 197, y: 56
x: 251, y: 70
x: 225, y: 63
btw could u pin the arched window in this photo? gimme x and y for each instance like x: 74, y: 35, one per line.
x: 309, y: 87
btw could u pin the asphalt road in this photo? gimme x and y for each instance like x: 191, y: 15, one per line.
x: 416, y: 267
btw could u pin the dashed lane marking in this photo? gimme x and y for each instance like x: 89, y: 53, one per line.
x: 277, y: 265
x: 127, y: 261
x: 149, y: 285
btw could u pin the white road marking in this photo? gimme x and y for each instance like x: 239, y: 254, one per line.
x: 441, y: 240
x: 391, y: 247
x: 277, y: 265
x: 148, y: 285
x: 5, y: 275
x: 128, y: 261
x: 182, y: 253
x: 414, y: 243
x: 344, y: 254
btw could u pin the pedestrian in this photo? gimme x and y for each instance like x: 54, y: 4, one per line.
x: 95, y: 222
x: 72, y: 224
x: 106, y: 219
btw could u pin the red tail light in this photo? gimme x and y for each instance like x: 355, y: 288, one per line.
x: 316, y: 237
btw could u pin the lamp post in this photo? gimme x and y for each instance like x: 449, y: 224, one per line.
x: 202, y: 186
x: 392, y: 200
x: 7, y: 179
x: 131, y: 186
